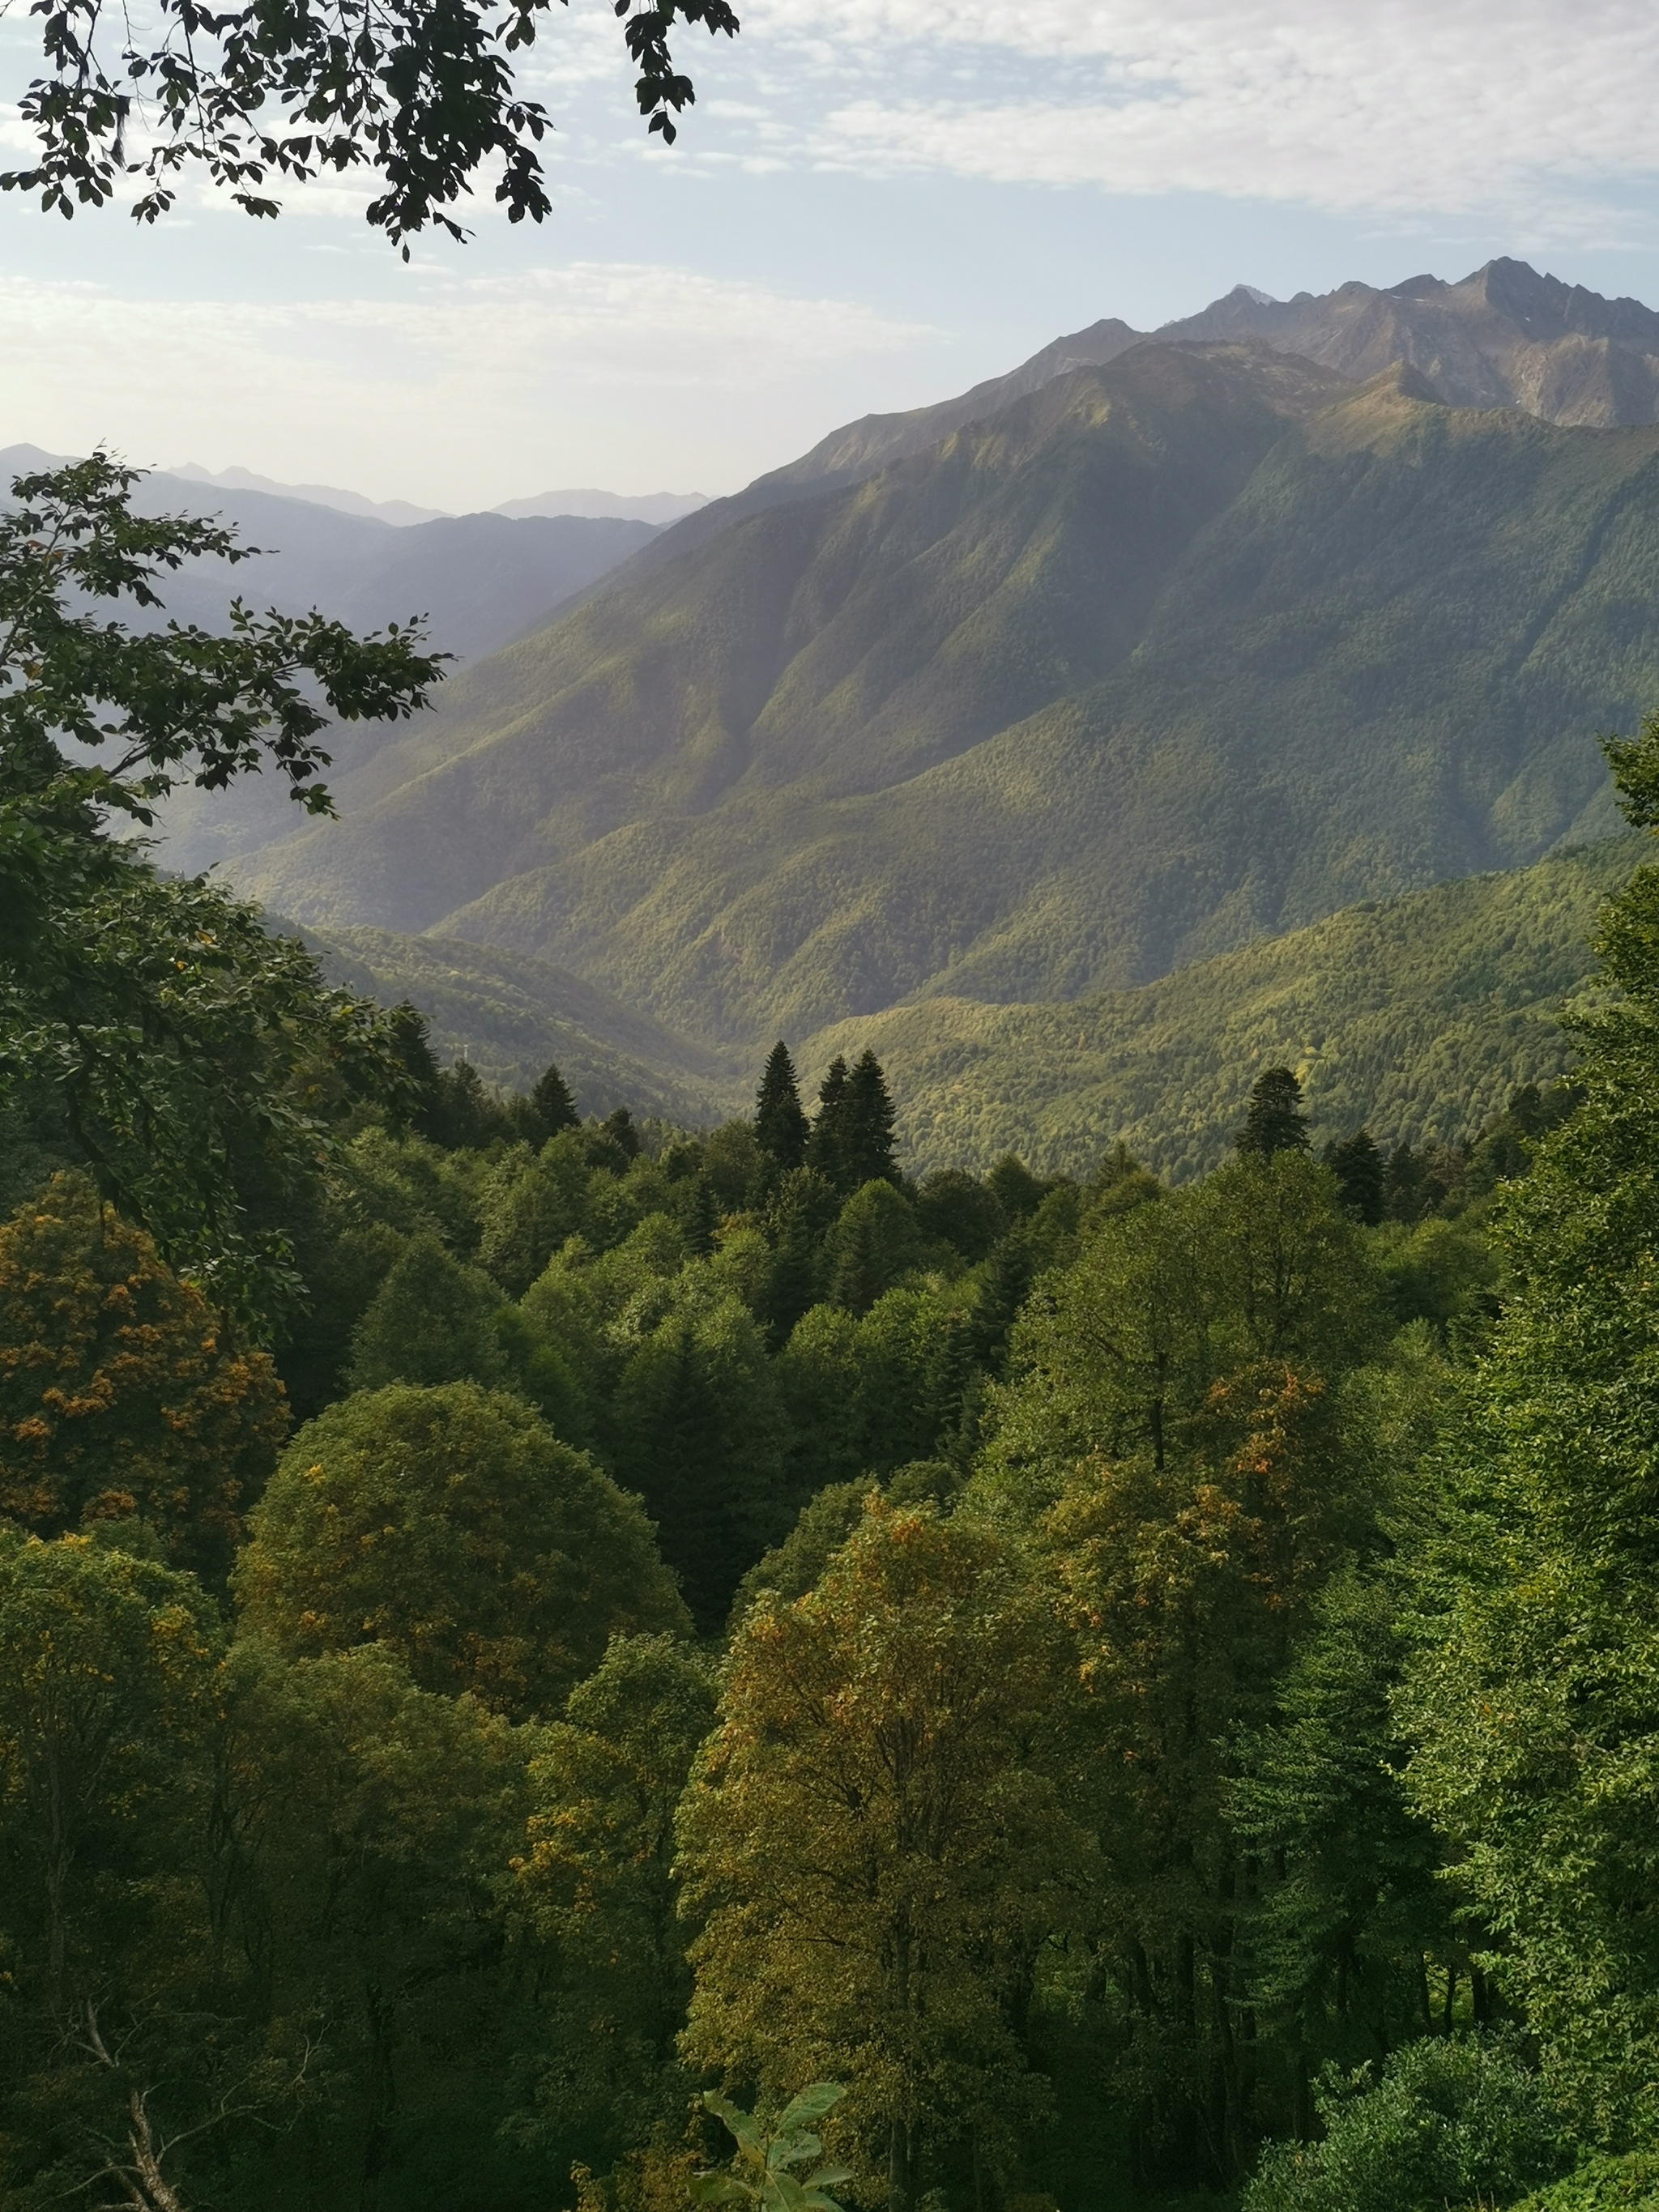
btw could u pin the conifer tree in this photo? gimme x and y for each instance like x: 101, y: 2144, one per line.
x: 867, y: 1143
x: 695, y: 1434
x: 825, y: 1145
x: 1274, y: 1121
x: 1360, y: 1174
x: 801, y: 1213
x: 553, y: 1106
x: 464, y: 1116
x: 411, y: 1046
x: 781, y: 1124
x: 430, y: 1321
x: 619, y: 1127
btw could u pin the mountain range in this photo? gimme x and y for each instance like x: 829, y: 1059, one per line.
x: 1503, y: 336
x: 655, y: 507
x: 479, y: 579
x: 1150, y: 651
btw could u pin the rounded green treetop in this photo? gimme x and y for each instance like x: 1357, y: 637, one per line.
x: 452, y: 1525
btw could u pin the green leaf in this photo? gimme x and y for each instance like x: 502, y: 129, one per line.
x: 784, y: 2193
x: 790, y: 2149
x: 811, y: 2104
x: 739, y: 2122
x: 716, y: 2189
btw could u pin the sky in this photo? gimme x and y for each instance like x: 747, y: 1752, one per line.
x: 872, y: 205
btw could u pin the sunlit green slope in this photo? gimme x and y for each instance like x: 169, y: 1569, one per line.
x: 1172, y: 654
x: 1417, y: 1016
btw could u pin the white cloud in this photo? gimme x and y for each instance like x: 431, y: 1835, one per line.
x: 478, y: 391
x: 1400, y: 106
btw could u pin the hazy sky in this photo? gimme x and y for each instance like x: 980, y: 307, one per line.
x: 871, y: 205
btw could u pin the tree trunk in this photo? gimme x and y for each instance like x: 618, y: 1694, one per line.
x: 898, y: 2168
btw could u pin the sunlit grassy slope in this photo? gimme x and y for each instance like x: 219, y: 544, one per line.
x: 1418, y: 1015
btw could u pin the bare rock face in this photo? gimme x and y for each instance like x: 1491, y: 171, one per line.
x: 1504, y: 337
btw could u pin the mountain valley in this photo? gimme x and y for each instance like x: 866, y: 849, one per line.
x: 1149, y: 651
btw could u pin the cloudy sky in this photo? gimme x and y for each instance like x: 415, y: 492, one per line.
x: 873, y: 204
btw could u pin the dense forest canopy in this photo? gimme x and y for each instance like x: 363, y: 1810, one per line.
x: 526, y: 1639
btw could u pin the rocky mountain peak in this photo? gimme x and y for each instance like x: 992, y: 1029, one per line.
x: 1503, y: 336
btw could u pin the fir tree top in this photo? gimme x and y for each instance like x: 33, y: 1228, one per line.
x: 824, y: 1145
x: 851, y: 1138
x: 867, y: 1144
x: 554, y: 1107
x: 781, y: 1124
x: 1274, y: 1121
x: 1361, y: 1175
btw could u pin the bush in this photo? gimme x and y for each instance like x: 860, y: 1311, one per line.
x: 1602, y: 2184
x: 1450, y: 2121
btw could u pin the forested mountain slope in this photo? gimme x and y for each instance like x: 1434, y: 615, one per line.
x: 1173, y: 653
x: 510, y: 1014
x: 1418, y: 1016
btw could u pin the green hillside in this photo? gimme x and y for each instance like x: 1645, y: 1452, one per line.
x: 1175, y: 653
x: 1417, y: 1016
x: 510, y: 1014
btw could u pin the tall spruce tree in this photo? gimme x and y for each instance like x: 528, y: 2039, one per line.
x: 1361, y: 1174
x: 412, y: 1046
x: 619, y: 1126
x: 867, y: 1141
x: 552, y: 1104
x: 781, y: 1123
x: 1273, y: 1121
x: 826, y: 1143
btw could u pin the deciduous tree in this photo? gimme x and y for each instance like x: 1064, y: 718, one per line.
x: 1534, y: 1695
x: 419, y: 97
x: 453, y: 1526
x: 877, y: 1837
x: 122, y: 1392
x: 597, y: 1883
x: 193, y: 1060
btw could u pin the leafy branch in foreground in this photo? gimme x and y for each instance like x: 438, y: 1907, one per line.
x: 420, y: 92
x: 762, y: 2175
x: 190, y: 1059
